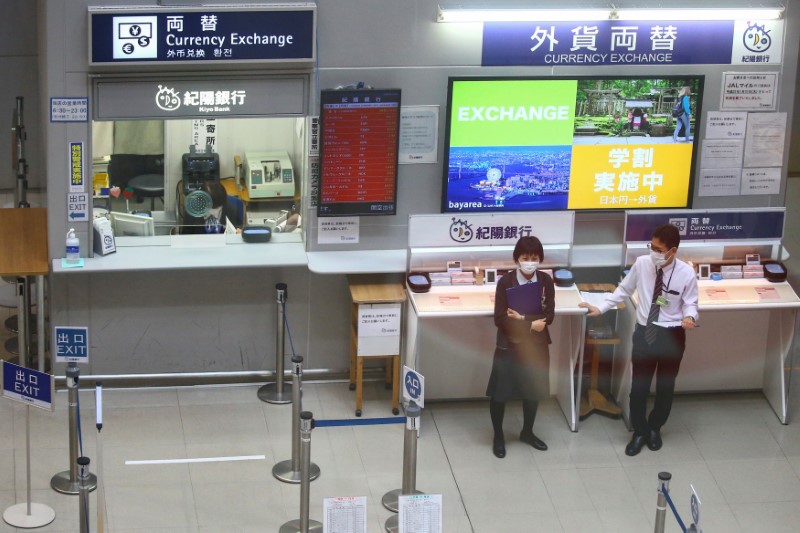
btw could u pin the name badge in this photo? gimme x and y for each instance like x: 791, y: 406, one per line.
x: 662, y: 301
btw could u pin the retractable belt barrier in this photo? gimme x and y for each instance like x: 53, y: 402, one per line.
x: 66, y: 482
x: 303, y: 524
x: 665, y: 500
x: 277, y: 392
x: 289, y: 471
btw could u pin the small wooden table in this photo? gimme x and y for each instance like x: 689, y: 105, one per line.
x: 594, y: 400
x: 23, y: 254
x: 369, y: 289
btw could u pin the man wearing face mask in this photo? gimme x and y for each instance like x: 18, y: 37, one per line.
x: 521, y: 366
x: 667, y: 292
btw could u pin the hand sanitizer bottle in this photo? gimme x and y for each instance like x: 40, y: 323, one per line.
x: 73, y: 247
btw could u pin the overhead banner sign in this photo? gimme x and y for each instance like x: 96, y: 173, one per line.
x: 186, y: 35
x: 615, y: 42
x: 698, y: 225
x: 489, y: 229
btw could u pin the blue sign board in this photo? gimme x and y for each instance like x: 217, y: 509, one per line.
x: 27, y: 386
x: 202, y: 35
x: 413, y: 386
x: 708, y: 225
x: 72, y: 344
x: 616, y: 42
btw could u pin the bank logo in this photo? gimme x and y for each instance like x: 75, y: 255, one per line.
x: 135, y: 38
x: 756, y: 38
x: 167, y: 99
x: 680, y: 223
x: 460, y: 231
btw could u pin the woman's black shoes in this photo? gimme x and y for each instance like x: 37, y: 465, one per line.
x: 499, y: 447
x: 533, y: 440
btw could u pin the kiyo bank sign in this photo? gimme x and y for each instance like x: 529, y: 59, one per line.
x: 199, y: 101
x: 463, y: 231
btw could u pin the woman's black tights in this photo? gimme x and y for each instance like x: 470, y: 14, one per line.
x: 497, y: 411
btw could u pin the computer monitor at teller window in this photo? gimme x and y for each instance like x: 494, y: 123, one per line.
x: 128, y: 225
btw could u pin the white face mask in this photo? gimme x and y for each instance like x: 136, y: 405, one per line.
x: 528, y: 267
x: 658, y: 259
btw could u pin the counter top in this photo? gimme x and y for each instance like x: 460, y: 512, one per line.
x: 478, y: 300
x: 743, y: 295
x: 166, y: 257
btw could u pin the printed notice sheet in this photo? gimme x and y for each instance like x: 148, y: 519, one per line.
x: 761, y: 180
x: 344, y: 515
x: 767, y: 293
x: 763, y: 145
x: 419, y: 128
x: 717, y: 294
x: 725, y: 125
x: 338, y: 230
x: 749, y: 91
x: 722, y: 153
x: 720, y: 182
x: 420, y: 513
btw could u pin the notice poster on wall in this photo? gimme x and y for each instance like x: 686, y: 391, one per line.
x: 419, y: 134
x: 749, y: 91
x: 720, y: 182
x: 761, y: 180
x: 725, y: 125
x: 766, y: 135
x: 720, y: 153
x: 522, y: 144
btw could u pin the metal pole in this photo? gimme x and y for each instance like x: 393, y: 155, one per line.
x: 21, y: 190
x: 82, y: 464
x: 40, y: 339
x: 28, y: 515
x: 23, y: 310
x: 67, y: 482
x: 288, y: 471
x: 276, y: 392
x: 409, y: 486
x: 661, y: 503
x: 304, y: 524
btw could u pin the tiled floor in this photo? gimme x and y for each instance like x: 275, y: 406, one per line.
x: 744, y: 464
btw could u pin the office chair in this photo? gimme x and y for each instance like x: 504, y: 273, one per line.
x: 144, y: 174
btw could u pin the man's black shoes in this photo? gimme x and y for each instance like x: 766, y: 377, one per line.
x: 635, y: 445
x: 533, y: 440
x: 654, y: 440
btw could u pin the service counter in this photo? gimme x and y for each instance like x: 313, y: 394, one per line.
x: 451, y: 335
x: 746, y: 341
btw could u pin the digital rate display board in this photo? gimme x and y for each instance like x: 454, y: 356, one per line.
x: 530, y: 144
x: 359, y: 136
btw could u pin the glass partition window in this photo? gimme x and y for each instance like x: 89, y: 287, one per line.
x: 155, y: 178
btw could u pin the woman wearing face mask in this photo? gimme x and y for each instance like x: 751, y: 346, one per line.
x: 521, y: 367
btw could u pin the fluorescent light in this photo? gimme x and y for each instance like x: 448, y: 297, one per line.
x: 721, y: 13
x: 454, y: 14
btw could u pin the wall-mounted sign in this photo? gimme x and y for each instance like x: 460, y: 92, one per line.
x: 617, y: 42
x: 69, y: 109
x: 489, y: 229
x: 273, y: 34
x: 699, y: 225
x: 749, y: 91
x: 725, y: 125
x: 76, y: 167
x: 166, y: 98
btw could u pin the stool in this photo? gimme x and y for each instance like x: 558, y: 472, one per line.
x: 373, y: 291
x: 148, y: 186
x: 594, y: 400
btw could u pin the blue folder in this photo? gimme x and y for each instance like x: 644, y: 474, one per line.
x: 525, y: 299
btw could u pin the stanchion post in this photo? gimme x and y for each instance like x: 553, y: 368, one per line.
x: 82, y: 464
x: 276, y: 392
x: 661, y: 503
x: 288, y: 471
x: 390, y: 499
x: 304, y: 524
x: 66, y: 482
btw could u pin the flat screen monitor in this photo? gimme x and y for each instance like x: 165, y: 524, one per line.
x: 129, y: 225
x: 359, y: 134
x: 593, y: 143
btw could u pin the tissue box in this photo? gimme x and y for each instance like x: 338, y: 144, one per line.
x: 103, y: 237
